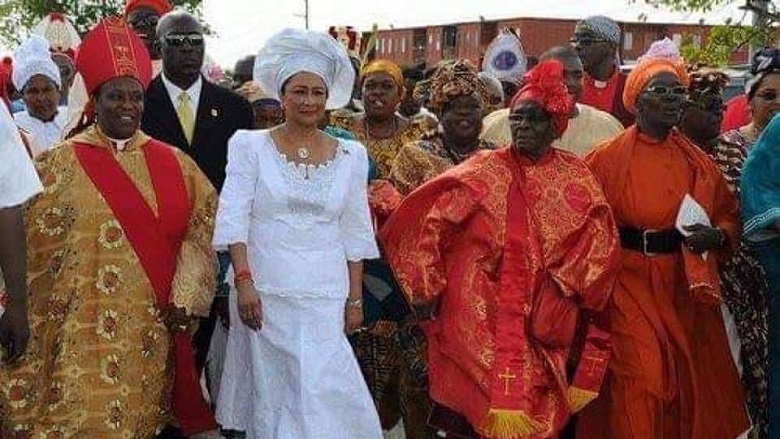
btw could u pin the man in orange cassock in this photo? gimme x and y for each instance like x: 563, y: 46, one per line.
x: 671, y: 374
x: 500, y: 257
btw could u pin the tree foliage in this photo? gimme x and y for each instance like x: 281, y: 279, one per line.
x: 17, y: 17
x: 757, y: 28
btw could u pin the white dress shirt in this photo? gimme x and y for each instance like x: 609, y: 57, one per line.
x: 43, y: 135
x: 174, y: 91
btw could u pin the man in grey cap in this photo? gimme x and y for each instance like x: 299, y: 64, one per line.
x: 597, y: 40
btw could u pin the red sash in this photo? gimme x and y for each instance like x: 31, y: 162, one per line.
x: 157, y: 241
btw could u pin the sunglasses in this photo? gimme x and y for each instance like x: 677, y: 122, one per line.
x: 586, y: 41
x: 663, y: 90
x: 768, y: 96
x: 192, y: 40
x: 144, y: 21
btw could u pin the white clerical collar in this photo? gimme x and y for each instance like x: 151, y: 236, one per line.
x: 119, y: 144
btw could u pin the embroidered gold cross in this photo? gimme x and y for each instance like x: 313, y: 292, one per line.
x: 507, y: 377
x: 592, y: 364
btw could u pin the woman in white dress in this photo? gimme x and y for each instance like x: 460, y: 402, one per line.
x: 294, y: 216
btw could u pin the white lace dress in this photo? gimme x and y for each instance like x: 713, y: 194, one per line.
x: 296, y: 378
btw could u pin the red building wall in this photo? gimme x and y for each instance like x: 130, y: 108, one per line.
x: 538, y: 35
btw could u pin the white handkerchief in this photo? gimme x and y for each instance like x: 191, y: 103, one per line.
x: 691, y: 213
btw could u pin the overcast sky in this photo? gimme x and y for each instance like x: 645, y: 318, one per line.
x: 242, y: 26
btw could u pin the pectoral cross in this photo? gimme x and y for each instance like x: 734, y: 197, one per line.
x: 507, y: 377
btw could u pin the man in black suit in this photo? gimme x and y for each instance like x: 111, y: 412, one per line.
x: 185, y: 110
x: 217, y: 112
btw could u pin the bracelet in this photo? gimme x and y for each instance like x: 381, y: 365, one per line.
x: 241, y: 276
x: 354, y: 303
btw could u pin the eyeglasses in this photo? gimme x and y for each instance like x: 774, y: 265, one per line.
x: 663, y: 90
x: 586, y: 41
x: 768, y: 96
x: 192, y: 40
x: 532, y: 115
x: 140, y: 21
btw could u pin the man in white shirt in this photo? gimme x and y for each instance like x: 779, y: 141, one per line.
x: 18, y: 183
x: 37, y: 76
x: 588, y: 126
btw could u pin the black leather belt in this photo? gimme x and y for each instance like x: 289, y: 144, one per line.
x: 650, y: 242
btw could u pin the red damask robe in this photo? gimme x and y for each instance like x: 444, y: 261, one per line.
x: 513, y: 252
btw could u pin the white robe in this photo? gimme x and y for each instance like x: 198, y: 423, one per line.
x: 297, y: 377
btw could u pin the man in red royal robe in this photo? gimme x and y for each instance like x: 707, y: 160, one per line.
x: 501, y: 257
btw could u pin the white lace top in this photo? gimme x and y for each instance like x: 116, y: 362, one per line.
x: 300, y: 223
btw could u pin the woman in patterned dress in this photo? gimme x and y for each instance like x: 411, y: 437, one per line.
x: 744, y: 283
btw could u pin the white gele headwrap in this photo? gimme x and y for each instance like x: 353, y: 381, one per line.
x: 32, y: 58
x: 294, y: 51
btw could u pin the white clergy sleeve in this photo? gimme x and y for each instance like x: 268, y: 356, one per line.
x: 238, y: 193
x: 355, y: 222
x: 18, y: 180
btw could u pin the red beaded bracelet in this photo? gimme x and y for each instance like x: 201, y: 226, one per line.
x: 242, y: 275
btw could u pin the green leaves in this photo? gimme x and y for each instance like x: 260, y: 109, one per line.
x: 17, y: 17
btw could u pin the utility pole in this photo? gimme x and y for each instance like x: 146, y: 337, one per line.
x: 760, y: 11
x: 305, y: 14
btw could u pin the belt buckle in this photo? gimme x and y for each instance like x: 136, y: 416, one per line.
x: 645, y: 242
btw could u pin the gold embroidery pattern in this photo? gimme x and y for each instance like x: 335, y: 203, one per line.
x: 98, y: 359
x: 383, y: 151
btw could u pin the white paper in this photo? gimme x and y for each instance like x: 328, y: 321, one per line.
x: 691, y: 213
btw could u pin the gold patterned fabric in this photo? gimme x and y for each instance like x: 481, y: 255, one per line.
x: 99, y: 364
x: 420, y: 161
x: 384, y: 151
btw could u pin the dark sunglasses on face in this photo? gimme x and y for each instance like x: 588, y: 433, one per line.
x: 663, y: 90
x: 586, y: 41
x: 192, y: 40
x: 144, y: 21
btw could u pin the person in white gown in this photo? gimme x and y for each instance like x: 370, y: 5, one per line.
x: 294, y: 215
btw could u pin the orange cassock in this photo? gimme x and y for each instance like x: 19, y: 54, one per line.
x: 671, y: 374
x: 513, y: 252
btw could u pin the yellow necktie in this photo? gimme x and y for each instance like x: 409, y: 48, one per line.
x: 186, y: 116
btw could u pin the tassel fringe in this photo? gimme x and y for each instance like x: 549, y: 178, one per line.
x: 579, y: 398
x: 511, y: 424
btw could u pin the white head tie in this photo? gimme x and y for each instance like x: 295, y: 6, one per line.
x: 294, y: 51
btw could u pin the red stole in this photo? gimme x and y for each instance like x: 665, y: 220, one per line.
x: 156, y: 240
x: 517, y: 285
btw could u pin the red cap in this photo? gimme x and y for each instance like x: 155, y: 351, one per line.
x: 162, y: 7
x: 112, y: 50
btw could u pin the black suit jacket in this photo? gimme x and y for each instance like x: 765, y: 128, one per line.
x: 221, y: 113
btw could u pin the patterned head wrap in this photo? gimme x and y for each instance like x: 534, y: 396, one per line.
x: 384, y: 66
x: 706, y: 82
x: 545, y: 85
x: 453, y: 80
x: 644, y: 72
x: 765, y: 62
x: 604, y: 27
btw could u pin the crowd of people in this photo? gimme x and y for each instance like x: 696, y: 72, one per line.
x: 328, y: 246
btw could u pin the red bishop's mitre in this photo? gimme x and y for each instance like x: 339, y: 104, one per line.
x: 162, y: 7
x: 112, y: 50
